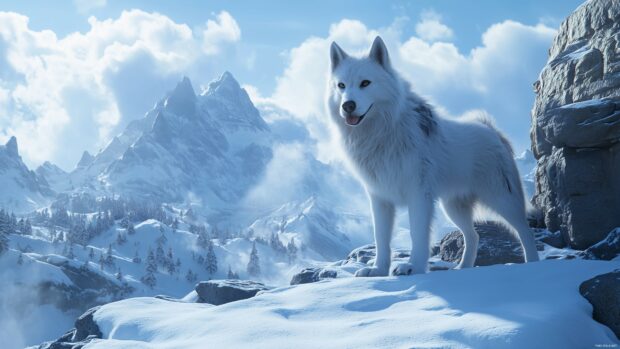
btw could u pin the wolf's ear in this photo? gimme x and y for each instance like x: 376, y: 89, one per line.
x: 379, y: 53
x: 337, y: 55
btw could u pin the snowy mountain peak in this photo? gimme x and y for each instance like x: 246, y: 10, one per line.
x: 226, y: 83
x: 182, y: 99
x: 11, y: 147
x: 86, y: 159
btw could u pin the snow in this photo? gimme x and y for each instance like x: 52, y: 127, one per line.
x: 508, y: 306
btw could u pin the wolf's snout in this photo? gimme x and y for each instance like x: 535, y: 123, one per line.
x: 348, y: 106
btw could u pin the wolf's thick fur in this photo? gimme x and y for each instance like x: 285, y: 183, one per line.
x: 405, y: 154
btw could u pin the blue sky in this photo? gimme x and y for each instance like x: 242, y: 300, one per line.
x: 92, y: 76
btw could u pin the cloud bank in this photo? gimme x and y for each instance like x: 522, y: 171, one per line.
x: 60, y: 96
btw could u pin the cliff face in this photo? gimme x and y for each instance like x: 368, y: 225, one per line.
x: 576, y: 126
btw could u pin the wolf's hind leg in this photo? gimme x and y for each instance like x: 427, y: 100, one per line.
x: 514, y: 214
x: 460, y: 212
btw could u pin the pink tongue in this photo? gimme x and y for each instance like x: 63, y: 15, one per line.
x: 353, y: 120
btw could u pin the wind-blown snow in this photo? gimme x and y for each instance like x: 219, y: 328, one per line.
x: 535, y: 305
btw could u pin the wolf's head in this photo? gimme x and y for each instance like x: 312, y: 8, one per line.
x: 362, y: 88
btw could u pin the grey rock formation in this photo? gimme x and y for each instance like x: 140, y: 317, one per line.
x: 310, y: 275
x: 496, y: 246
x: 219, y: 292
x: 86, y: 329
x: 603, y: 292
x: 576, y: 126
x: 607, y: 249
x: 87, y: 288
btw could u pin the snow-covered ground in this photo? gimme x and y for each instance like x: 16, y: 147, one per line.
x: 534, y: 305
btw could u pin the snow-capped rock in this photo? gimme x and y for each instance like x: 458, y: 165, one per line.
x: 218, y: 292
x: 22, y: 190
x: 603, y: 292
x: 309, y: 275
x: 606, y: 249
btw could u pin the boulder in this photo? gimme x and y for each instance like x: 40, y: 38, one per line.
x: 576, y: 127
x: 607, y: 249
x: 86, y: 326
x: 219, y: 292
x: 603, y: 292
x: 309, y: 275
x: 86, y: 330
x: 496, y: 246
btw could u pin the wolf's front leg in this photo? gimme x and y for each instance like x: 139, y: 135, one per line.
x: 383, y: 219
x: 420, y: 218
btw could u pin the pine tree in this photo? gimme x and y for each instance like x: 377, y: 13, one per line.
x: 136, y: 258
x: 232, y: 274
x: 130, y: 229
x: 27, y: 227
x: 160, y: 256
x: 119, y: 275
x: 178, y: 265
x: 149, y: 278
x: 124, y: 222
x: 120, y: 239
x: 91, y: 254
x: 170, y: 262
x: 190, y: 276
x: 175, y: 225
x: 211, y: 262
x: 4, y: 242
x: 109, y: 260
x: 276, y: 244
x: 20, y: 259
x: 101, y: 261
x: 254, y: 264
x: 203, y: 239
x: 291, y: 251
x: 70, y: 254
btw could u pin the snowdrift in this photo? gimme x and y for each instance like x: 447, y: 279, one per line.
x: 534, y: 305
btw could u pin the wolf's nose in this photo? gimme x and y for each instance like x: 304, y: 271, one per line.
x: 348, y: 106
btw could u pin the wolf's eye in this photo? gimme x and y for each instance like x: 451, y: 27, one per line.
x: 340, y: 85
x: 364, y: 83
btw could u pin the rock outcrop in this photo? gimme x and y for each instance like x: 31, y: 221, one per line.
x: 603, y: 292
x: 86, y: 330
x: 606, y: 249
x: 496, y: 246
x: 219, y: 292
x: 310, y: 275
x: 576, y: 126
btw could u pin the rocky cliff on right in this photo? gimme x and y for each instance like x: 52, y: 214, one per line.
x: 576, y: 126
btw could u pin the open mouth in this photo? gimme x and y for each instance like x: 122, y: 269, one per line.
x: 353, y: 120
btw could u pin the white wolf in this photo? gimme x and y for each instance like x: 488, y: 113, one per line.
x: 405, y: 154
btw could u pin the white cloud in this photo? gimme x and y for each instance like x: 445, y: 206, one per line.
x: 495, y: 77
x: 430, y: 28
x: 224, y: 29
x: 65, y: 95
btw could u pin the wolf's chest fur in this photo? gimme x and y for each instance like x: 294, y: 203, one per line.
x: 390, y: 165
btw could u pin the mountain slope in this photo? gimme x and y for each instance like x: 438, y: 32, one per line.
x: 22, y: 190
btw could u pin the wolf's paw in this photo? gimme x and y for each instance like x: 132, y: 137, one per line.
x: 370, y: 271
x: 402, y: 269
